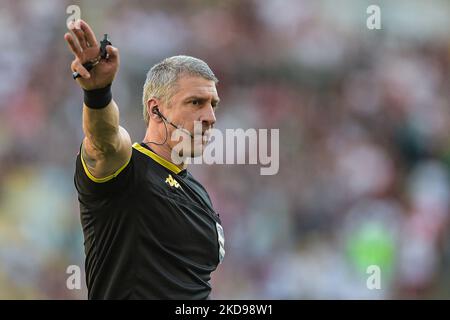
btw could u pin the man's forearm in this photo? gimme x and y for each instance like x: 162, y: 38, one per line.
x: 107, y: 146
x: 101, y: 127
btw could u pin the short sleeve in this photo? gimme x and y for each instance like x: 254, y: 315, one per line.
x: 87, y: 185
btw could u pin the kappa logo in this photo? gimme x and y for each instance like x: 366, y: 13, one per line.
x: 172, y: 182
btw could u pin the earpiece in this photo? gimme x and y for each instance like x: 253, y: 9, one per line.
x: 155, y: 110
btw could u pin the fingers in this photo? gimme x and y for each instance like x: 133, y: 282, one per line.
x: 89, y: 34
x: 76, y: 50
x: 113, y: 53
x: 76, y: 66
x: 80, y: 37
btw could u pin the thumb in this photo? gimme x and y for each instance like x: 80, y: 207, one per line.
x: 113, y: 53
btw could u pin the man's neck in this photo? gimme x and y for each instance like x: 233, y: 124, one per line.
x: 164, y: 151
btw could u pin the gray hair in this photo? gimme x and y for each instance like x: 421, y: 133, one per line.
x: 163, y: 76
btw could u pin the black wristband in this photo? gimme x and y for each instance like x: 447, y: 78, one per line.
x: 98, y: 98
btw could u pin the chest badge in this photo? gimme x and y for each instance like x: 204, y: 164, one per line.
x: 172, y: 182
x: 221, y: 240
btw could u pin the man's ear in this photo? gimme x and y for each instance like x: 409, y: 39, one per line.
x: 152, y: 106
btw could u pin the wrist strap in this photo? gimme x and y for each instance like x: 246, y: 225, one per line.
x: 98, y: 98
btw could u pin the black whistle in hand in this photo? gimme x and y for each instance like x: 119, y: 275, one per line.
x: 103, y: 55
x: 105, y: 42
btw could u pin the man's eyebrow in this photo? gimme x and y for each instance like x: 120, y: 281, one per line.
x: 195, y: 97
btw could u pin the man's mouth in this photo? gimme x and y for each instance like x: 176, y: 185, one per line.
x: 204, y: 135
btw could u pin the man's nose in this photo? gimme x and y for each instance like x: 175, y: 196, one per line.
x: 209, y: 116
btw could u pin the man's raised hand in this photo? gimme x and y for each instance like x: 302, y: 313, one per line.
x: 87, y: 49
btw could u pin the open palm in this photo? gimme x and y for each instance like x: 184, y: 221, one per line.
x: 86, y: 48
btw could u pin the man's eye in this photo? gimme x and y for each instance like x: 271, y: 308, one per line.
x: 195, y: 102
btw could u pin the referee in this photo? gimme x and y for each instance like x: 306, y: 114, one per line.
x: 150, y: 229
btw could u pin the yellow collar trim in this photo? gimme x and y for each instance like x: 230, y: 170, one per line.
x: 169, y: 165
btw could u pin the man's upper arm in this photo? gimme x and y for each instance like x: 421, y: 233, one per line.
x: 102, y: 166
x: 109, y: 174
x: 117, y: 176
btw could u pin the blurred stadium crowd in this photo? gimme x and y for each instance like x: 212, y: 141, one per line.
x: 364, y: 119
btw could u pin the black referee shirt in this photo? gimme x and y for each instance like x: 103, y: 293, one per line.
x: 150, y: 231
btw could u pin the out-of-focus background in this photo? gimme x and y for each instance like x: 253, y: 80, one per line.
x: 364, y: 119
